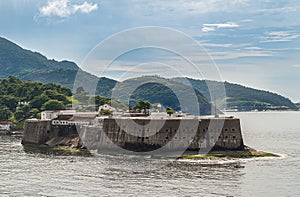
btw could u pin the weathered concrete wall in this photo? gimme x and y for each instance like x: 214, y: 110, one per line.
x: 141, y: 134
x: 37, y: 131
x: 216, y: 133
x: 42, y: 131
x: 220, y: 133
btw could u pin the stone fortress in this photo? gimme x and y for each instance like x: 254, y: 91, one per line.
x: 134, y: 132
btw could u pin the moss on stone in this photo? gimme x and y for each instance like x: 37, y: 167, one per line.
x: 56, y: 150
x: 239, y: 154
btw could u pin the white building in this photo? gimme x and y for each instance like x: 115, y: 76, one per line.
x: 106, y: 107
x: 49, y: 115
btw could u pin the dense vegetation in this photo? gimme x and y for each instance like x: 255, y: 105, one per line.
x: 20, y: 100
x: 240, y: 97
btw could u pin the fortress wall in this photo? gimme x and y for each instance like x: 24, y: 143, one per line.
x: 170, y: 133
x: 37, y: 131
x: 40, y: 131
x: 141, y: 134
x: 220, y: 133
x: 216, y: 133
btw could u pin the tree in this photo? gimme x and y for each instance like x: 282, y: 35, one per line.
x: 105, y: 112
x: 10, y: 101
x: 19, y: 115
x: 5, y: 113
x: 34, y: 113
x: 53, y: 105
x: 169, y: 111
x: 38, y: 101
x: 142, y: 105
x: 53, y: 94
x: 99, y: 100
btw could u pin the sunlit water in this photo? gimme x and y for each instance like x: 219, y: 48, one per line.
x: 23, y: 174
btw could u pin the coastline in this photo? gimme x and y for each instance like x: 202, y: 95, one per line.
x: 243, y: 154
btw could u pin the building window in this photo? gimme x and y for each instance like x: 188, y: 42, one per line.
x: 232, y: 129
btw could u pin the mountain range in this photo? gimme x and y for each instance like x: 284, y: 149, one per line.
x: 28, y: 65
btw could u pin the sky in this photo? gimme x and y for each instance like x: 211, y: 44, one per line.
x: 253, y: 43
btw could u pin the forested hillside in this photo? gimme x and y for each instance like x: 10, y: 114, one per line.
x: 240, y: 97
x: 20, y: 100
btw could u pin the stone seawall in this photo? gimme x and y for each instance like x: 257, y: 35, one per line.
x: 42, y: 132
x: 173, y: 134
x: 140, y: 134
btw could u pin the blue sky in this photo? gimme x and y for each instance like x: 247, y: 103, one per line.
x: 254, y: 43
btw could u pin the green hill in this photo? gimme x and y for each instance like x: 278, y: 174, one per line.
x: 161, y: 90
x: 28, y: 65
x: 20, y: 100
x: 32, y: 66
x: 17, y: 61
x: 240, y: 97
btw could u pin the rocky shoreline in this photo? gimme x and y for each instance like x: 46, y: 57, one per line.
x: 246, y: 153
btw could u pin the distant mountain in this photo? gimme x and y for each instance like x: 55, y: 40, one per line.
x: 164, y: 91
x: 240, y: 97
x: 298, y: 105
x: 28, y: 65
x: 17, y: 61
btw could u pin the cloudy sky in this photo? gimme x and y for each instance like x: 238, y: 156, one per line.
x: 254, y: 43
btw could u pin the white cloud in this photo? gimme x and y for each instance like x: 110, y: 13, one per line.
x: 85, y: 7
x: 216, y: 45
x: 253, y: 48
x: 279, y: 36
x: 214, y: 26
x: 63, y: 8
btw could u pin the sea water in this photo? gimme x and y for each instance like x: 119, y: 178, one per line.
x: 33, y: 174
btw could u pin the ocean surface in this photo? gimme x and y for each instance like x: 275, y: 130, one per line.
x: 25, y: 174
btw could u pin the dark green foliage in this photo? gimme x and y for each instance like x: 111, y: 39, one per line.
x: 142, y: 106
x: 19, y: 115
x: 39, y: 100
x: 99, y: 100
x: 9, y: 101
x: 53, y: 105
x: 13, y: 90
x: 105, y: 112
x: 170, y: 111
x: 5, y: 113
x: 53, y: 94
